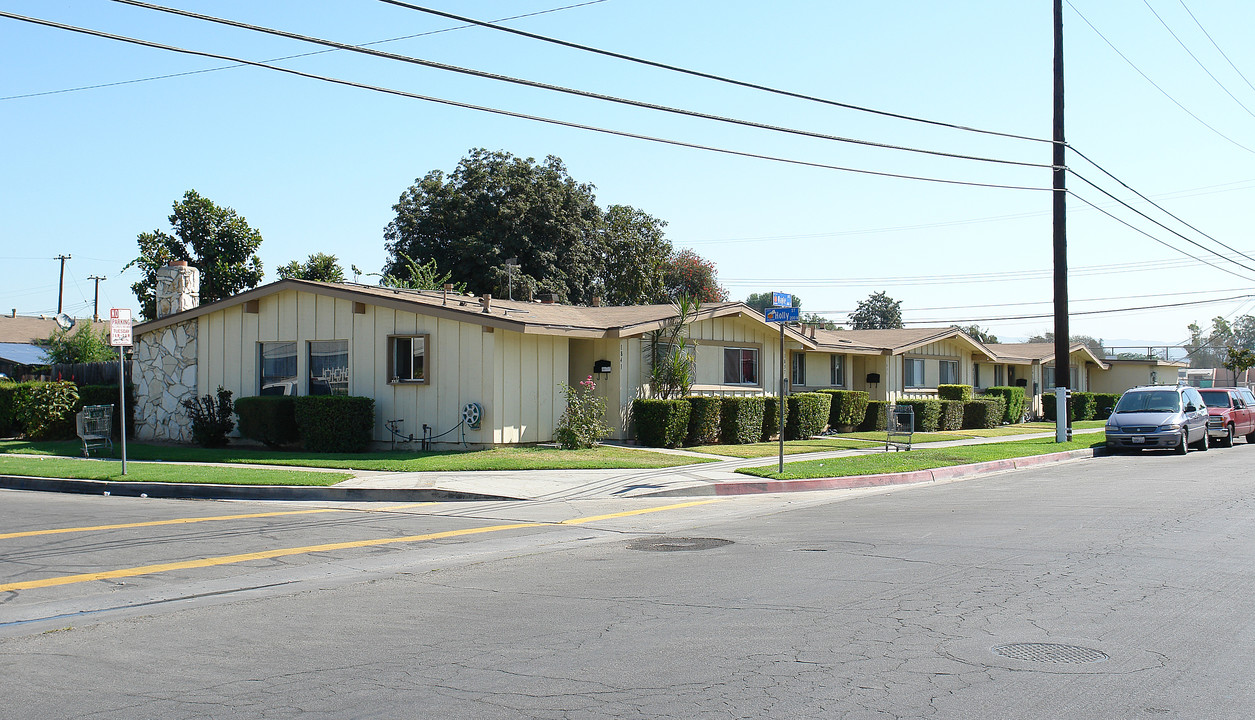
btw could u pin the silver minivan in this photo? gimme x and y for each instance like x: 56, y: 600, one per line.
x: 1158, y: 416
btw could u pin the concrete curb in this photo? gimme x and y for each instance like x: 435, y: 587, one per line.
x: 953, y: 472
x: 193, y: 491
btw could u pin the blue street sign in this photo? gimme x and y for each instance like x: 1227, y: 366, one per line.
x: 783, y: 314
x: 781, y: 300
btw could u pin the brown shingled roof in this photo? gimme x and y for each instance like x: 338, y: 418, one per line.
x: 29, y: 330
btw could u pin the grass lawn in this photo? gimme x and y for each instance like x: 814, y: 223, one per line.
x: 512, y: 458
x: 80, y: 469
x: 922, y: 459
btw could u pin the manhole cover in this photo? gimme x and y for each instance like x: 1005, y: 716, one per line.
x: 674, y: 544
x: 1050, y: 653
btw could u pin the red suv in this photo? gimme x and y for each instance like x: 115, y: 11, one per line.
x: 1231, y: 413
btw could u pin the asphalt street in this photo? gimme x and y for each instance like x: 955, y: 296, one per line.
x: 1114, y: 587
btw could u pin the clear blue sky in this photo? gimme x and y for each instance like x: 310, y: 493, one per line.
x: 317, y: 167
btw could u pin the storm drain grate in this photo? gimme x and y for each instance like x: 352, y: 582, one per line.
x: 674, y: 544
x: 1050, y: 653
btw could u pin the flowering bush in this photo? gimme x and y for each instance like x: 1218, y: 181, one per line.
x: 45, y: 411
x: 581, y: 425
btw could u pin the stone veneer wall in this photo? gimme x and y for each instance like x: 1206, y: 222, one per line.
x: 165, y: 376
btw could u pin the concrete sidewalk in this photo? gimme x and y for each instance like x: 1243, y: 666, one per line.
x: 712, y: 478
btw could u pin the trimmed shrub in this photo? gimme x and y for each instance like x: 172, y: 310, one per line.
x: 875, y: 418
x: 9, y: 425
x: 741, y: 419
x: 335, y: 423
x: 703, y: 420
x: 1105, y: 404
x: 1012, y: 399
x: 1049, y: 410
x: 984, y: 412
x: 951, y: 415
x: 45, y: 410
x: 927, y: 414
x: 807, y: 415
x: 661, y: 423
x: 962, y: 393
x: 1084, y: 405
x: 771, y: 418
x: 268, y: 419
x: 108, y: 395
x: 211, y: 418
x: 849, y: 408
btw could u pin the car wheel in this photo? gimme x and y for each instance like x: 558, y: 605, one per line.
x: 1250, y: 437
x: 1184, y: 447
x: 1204, y: 444
x: 1227, y: 440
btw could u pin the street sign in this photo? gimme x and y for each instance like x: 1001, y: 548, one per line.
x: 783, y: 314
x: 120, y: 327
x: 781, y: 300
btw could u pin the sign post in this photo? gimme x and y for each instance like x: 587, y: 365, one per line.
x: 120, y: 337
x: 783, y: 313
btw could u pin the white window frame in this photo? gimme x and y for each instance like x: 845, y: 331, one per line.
x: 836, y: 370
x: 797, y: 373
x: 948, y: 365
x: 910, y: 368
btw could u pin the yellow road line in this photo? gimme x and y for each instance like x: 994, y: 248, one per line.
x: 594, y: 518
x: 185, y: 521
x: 282, y: 552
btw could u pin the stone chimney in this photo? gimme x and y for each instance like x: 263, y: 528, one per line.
x: 178, y: 288
x: 486, y: 301
x: 596, y: 301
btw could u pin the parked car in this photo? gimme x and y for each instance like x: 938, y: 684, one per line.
x: 1230, y: 415
x: 1159, y: 416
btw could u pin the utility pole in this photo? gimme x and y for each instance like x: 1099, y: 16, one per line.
x: 96, y: 299
x: 61, y: 285
x: 1062, y: 344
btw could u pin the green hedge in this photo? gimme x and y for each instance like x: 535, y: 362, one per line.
x: 962, y: 393
x: 1085, y: 405
x: 1012, y: 400
x: 335, y: 423
x: 951, y: 415
x: 703, y: 428
x: 1105, y: 404
x: 927, y: 414
x: 771, y: 418
x: 8, y: 418
x: 849, y: 408
x: 984, y: 412
x: 1049, y: 410
x: 45, y: 410
x: 807, y: 415
x: 268, y: 419
x: 741, y: 419
x: 875, y: 418
x: 661, y: 423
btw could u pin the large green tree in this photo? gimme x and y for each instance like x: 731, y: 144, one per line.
x: 690, y: 275
x: 494, y: 207
x: 87, y: 344
x: 319, y: 266
x: 977, y: 333
x: 217, y: 240
x: 877, y: 312
x: 637, y: 254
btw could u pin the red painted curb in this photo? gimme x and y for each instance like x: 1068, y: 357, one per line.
x: 754, y: 487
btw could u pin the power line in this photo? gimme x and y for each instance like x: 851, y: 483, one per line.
x: 1110, y: 311
x: 291, y: 57
x: 1199, y: 245
x: 1161, y: 242
x: 1152, y: 82
x: 507, y: 113
x: 1216, y: 45
x: 569, y: 91
x: 707, y: 76
x: 1043, y: 302
x: 1157, y: 205
x: 1195, y: 57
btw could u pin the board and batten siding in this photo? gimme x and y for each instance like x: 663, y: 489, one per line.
x: 514, y: 377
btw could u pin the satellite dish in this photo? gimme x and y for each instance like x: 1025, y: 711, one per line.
x: 65, y: 322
